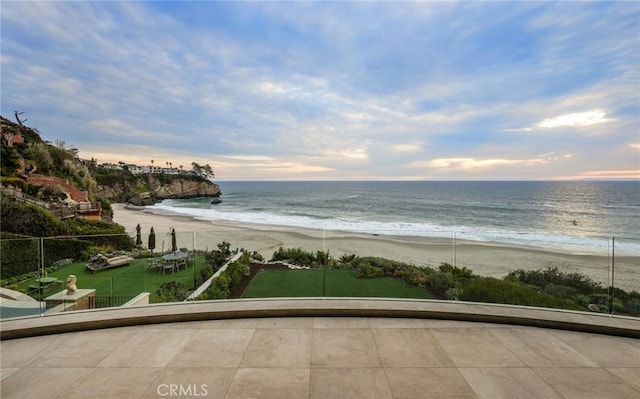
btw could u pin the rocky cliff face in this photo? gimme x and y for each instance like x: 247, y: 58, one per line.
x: 150, y: 189
x: 187, y: 189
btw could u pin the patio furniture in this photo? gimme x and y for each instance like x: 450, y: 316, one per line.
x: 154, y: 264
x: 181, y: 263
x: 44, y: 284
x: 101, y: 262
x: 169, y: 266
x: 175, y: 260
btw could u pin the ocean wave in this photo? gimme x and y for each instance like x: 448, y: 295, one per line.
x: 560, y: 242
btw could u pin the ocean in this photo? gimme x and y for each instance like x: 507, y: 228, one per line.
x: 577, y: 217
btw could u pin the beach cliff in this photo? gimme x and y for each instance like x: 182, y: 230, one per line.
x: 149, y: 189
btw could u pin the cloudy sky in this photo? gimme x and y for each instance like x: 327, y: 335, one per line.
x: 334, y: 90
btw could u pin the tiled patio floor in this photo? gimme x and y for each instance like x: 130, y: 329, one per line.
x: 321, y: 357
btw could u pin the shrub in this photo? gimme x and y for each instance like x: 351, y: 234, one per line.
x: 14, y: 182
x: 561, y: 291
x: 488, y: 289
x: 28, y: 219
x: 222, y: 285
x: 19, y: 256
x: 206, y: 272
x: 101, y: 233
x: 293, y: 255
x: 544, y: 277
x: 171, y: 291
x: 39, y: 154
x: 106, y: 205
x: 238, y: 270
x: 439, y: 283
x: 217, y: 258
x: 347, y: 259
x: 456, y: 272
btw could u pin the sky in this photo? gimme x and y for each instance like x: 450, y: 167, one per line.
x: 334, y: 90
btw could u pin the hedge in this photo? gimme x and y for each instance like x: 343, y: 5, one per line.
x: 20, y: 256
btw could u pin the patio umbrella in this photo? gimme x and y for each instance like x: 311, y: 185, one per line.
x: 138, y: 235
x: 152, y: 240
x: 174, y: 244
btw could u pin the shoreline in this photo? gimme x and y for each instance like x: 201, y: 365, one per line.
x: 483, y: 258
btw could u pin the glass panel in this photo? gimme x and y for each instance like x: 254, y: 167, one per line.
x: 625, y: 276
x: 522, y: 269
x: 536, y: 270
x: 22, y: 292
x: 91, y: 271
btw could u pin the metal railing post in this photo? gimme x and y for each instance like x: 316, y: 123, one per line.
x: 454, y: 249
x: 613, y: 268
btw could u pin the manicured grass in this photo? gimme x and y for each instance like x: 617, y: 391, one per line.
x: 330, y: 283
x: 285, y: 283
x: 128, y: 280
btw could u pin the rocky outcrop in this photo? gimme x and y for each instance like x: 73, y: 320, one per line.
x: 186, y: 189
x: 149, y: 189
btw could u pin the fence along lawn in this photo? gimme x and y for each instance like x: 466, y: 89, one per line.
x: 128, y: 280
x: 330, y: 283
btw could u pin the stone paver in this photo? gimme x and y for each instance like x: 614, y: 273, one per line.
x: 587, y: 383
x: 352, y: 383
x: 479, y: 348
x: 503, y: 382
x: 409, y: 347
x: 230, y: 345
x: 539, y: 348
x: 344, y: 347
x: 409, y: 383
x: 280, y: 348
x: 272, y: 383
x: 321, y: 357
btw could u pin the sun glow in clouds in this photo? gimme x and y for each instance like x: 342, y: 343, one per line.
x: 578, y: 119
x: 471, y: 164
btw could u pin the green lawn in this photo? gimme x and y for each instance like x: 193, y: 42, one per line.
x: 121, y: 281
x: 329, y: 283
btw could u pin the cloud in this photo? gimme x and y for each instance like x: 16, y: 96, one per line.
x: 579, y: 119
x: 406, y: 148
x: 635, y: 145
x: 475, y: 164
x: 117, y: 128
x: 604, y: 174
x: 352, y: 89
x: 572, y: 120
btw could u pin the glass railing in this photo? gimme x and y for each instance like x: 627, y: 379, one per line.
x: 600, y: 275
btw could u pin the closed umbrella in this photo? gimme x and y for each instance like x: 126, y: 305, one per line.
x: 138, y: 235
x: 174, y: 244
x: 152, y: 240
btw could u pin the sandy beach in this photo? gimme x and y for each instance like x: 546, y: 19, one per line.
x: 487, y: 259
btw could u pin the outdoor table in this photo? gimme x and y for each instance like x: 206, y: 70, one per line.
x: 47, y: 281
x: 175, y: 256
x: 174, y: 260
x: 44, y: 283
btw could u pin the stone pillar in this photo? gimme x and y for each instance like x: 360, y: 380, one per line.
x: 79, y: 300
